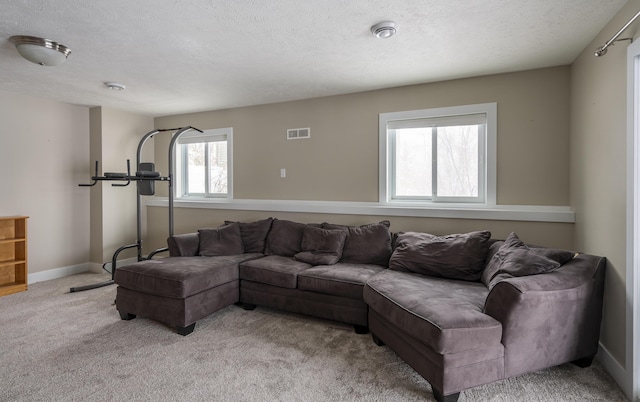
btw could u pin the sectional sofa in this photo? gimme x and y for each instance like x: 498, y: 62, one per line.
x: 463, y: 310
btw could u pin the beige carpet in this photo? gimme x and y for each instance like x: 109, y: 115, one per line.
x: 56, y: 346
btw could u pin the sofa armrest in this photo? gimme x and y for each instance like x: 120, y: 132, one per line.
x: 550, y: 319
x: 184, y: 245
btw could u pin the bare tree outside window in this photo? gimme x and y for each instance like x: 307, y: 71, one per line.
x: 438, y: 156
x: 413, y: 162
x: 457, y: 161
x: 196, y: 167
x: 205, y: 168
x: 218, y: 167
x: 454, y: 161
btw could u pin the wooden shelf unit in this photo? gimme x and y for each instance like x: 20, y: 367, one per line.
x: 13, y: 254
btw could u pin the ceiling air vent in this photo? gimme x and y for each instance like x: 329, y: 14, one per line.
x: 298, y: 133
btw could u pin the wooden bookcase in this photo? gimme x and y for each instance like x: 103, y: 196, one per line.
x: 13, y: 254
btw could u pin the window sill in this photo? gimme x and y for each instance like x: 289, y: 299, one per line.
x: 561, y: 214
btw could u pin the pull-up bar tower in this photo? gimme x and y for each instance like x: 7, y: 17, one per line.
x: 145, y: 178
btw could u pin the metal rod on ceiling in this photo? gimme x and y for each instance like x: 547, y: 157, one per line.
x: 602, y: 50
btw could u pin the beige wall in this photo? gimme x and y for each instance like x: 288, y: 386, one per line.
x: 115, y: 136
x: 188, y: 220
x: 43, y: 156
x: 598, y: 168
x: 340, y: 160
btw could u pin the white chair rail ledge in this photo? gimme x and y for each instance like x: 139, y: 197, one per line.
x: 531, y: 213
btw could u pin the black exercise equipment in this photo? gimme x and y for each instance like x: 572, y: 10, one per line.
x: 145, y: 178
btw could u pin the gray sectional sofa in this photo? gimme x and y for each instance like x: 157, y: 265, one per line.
x: 463, y: 310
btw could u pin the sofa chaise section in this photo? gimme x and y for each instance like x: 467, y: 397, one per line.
x: 178, y: 291
x: 437, y: 326
x: 532, y: 308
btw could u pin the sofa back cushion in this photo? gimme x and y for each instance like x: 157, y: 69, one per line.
x: 284, y: 238
x: 183, y: 245
x: 513, y: 258
x: 321, y: 246
x: 224, y: 240
x: 455, y: 256
x: 254, y: 234
x: 366, y: 244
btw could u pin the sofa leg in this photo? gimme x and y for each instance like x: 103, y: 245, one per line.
x: 445, y: 398
x: 377, y: 340
x: 184, y: 331
x: 584, y: 362
x: 246, y: 306
x: 361, y: 329
x: 126, y: 316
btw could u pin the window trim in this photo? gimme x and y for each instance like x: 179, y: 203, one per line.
x: 490, y: 145
x: 206, y: 135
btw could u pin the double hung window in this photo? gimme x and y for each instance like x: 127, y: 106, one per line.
x: 438, y: 155
x: 204, y: 164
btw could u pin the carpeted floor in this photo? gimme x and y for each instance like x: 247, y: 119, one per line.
x: 57, y: 346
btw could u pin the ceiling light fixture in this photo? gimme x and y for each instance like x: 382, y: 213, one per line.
x: 116, y: 86
x: 384, y: 30
x: 40, y: 51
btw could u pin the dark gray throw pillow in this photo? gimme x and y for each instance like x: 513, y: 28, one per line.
x: 321, y: 246
x: 455, y: 256
x: 185, y: 245
x: 366, y: 244
x: 514, y: 258
x: 284, y: 238
x: 224, y: 240
x: 254, y: 234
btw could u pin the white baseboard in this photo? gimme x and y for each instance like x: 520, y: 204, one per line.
x: 73, y: 270
x: 613, y: 366
x: 58, y: 273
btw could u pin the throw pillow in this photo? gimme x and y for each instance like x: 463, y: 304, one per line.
x: 366, y: 244
x: 284, y: 238
x: 224, y: 240
x: 321, y: 246
x: 185, y: 245
x: 514, y: 258
x: 254, y: 234
x: 455, y: 256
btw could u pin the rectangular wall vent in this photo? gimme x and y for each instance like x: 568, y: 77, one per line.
x: 298, y: 133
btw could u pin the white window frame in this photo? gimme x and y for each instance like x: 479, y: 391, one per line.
x: 217, y: 134
x: 487, y: 154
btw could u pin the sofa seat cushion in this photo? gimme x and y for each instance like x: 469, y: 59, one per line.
x: 180, y: 277
x: 444, y: 314
x: 274, y: 270
x: 340, y: 280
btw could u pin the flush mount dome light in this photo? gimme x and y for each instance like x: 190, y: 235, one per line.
x: 40, y: 51
x: 384, y: 30
x: 116, y: 86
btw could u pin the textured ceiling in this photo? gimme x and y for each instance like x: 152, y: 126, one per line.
x: 177, y: 56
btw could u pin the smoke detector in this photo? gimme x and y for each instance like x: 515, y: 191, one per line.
x: 384, y: 30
